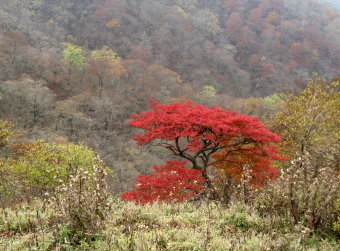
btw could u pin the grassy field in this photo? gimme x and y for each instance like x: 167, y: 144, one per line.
x: 186, y: 226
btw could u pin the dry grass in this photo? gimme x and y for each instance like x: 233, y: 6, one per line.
x: 186, y: 226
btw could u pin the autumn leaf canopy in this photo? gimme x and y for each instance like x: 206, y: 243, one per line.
x: 198, y: 123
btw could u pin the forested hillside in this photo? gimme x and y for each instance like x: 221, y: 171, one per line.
x: 169, y: 125
x: 74, y: 70
x: 242, y: 48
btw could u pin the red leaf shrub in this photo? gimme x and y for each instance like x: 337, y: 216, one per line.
x: 169, y: 182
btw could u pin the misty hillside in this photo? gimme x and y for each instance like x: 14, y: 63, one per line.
x: 242, y: 48
x: 335, y: 3
x: 129, y: 52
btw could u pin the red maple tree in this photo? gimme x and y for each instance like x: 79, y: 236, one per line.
x: 197, y: 133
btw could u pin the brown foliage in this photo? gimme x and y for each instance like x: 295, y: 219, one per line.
x: 303, y: 193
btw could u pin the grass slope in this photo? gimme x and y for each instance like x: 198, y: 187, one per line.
x: 187, y: 226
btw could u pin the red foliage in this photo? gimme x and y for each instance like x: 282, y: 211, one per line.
x: 140, y: 53
x: 209, y: 137
x: 267, y: 68
x: 254, y: 156
x: 105, y: 10
x: 246, y: 39
x: 169, y: 182
x: 202, y: 127
x: 229, y: 4
x: 233, y: 26
x: 255, y: 18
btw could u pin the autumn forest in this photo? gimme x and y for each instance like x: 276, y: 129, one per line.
x: 220, y: 115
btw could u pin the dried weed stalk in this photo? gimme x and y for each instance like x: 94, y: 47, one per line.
x: 303, y: 193
x: 231, y: 190
x: 81, y: 205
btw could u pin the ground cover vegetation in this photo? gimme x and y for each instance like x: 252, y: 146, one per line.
x: 180, y: 226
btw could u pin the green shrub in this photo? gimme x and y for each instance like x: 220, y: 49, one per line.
x: 240, y: 222
x: 40, y: 167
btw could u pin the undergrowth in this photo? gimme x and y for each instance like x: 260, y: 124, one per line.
x: 185, y: 226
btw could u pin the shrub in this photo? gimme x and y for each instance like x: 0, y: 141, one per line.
x: 309, y: 122
x: 80, y: 205
x: 35, y: 168
x: 303, y: 193
x: 169, y: 182
x: 6, y: 132
x: 336, y: 224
